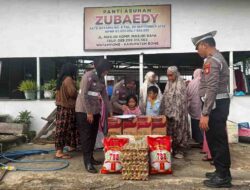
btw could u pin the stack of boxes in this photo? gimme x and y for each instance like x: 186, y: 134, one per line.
x: 114, y: 126
x: 141, y: 125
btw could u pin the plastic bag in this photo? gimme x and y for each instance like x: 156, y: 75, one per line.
x: 160, y: 155
x: 99, y: 140
x: 112, y: 149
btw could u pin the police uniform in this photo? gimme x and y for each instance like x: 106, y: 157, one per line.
x: 119, y: 97
x: 88, y: 101
x: 214, y: 92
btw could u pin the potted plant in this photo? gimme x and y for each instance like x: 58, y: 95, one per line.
x: 20, y: 125
x: 24, y: 117
x: 29, y: 88
x: 49, y: 89
x: 24, y: 120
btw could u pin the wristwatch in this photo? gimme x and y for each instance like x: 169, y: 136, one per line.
x: 205, y: 114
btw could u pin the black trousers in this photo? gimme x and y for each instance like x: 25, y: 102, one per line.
x: 88, y: 133
x: 197, y: 134
x: 217, y: 137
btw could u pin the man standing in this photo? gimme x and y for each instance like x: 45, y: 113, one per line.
x: 88, y: 109
x: 214, y: 94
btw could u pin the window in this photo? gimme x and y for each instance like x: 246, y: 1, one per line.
x: 13, y: 71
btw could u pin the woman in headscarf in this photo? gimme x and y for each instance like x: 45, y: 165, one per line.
x: 88, y: 109
x: 150, y: 80
x: 194, y: 105
x: 174, y: 107
x: 66, y: 93
x: 194, y: 110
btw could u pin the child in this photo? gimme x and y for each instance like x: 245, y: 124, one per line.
x: 132, y: 106
x: 153, y: 104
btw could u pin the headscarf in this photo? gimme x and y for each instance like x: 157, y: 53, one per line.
x: 68, y: 70
x: 194, y: 103
x: 102, y: 65
x: 147, y: 83
x: 174, y: 104
x: 197, y: 74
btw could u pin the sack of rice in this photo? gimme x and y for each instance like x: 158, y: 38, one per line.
x: 160, y: 155
x: 112, y: 149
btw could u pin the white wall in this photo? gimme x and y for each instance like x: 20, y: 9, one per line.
x: 240, y: 109
x: 38, y: 109
x: 40, y: 28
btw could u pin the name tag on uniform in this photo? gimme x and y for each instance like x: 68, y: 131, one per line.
x: 92, y: 93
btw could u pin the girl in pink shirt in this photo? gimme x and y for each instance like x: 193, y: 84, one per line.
x: 132, y: 106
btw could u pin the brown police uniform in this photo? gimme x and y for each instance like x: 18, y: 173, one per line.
x: 214, y: 92
x: 88, y: 102
x: 214, y: 82
x: 91, y: 88
x: 119, y: 97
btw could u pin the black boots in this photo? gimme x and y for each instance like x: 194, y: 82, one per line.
x: 95, y: 162
x: 90, y: 168
x: 88, y: 165
x: 210, y: 174
x: 216, y: 181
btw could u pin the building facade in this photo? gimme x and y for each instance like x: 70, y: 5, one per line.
x: 37, y: 37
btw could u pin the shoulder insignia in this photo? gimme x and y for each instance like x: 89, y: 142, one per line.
x: 207, y: 68
x: 117, y: 91
x: 89, y: 79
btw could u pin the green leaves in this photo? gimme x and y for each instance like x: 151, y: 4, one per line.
x: 24, y: 117
x: 27, y: 85
x: 50, y: 85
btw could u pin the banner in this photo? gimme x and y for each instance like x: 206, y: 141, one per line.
x: 136, y: 27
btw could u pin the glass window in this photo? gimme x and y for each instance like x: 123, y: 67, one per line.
x: 13, y: 71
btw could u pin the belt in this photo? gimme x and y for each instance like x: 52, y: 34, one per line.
x: 222, y: 96
x: 92, y: 93
x: 218, y: 96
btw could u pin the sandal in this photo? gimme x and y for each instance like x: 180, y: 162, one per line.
x: 63, y: 156
x: 71, y: 149
x: 178, y: 156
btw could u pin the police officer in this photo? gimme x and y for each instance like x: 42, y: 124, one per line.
x: 215, y: 96
x: 121, y: 91
x: 88, y: 108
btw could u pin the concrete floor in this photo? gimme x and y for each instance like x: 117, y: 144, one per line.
x: 188, y: 174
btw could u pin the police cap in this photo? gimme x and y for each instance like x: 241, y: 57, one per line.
x: 196, y: 40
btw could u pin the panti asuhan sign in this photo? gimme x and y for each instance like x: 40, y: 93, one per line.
x: 136, y: 27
